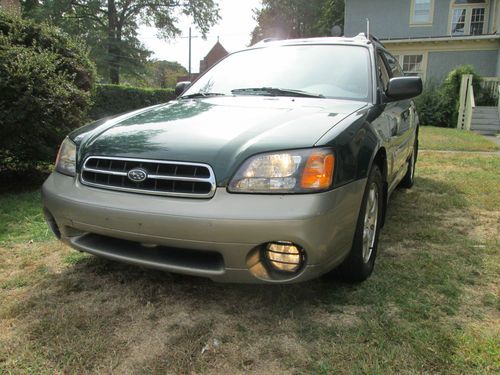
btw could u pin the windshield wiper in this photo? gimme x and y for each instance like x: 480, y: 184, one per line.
x: 274, y: 91
x: 201, y: 95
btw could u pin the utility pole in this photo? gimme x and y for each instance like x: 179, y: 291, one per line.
x: 190, y: 54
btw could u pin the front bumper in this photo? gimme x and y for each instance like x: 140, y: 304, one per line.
x: 213, y: 237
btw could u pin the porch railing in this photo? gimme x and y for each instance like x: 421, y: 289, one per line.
x: 490, y: 85
x: 467, y: 103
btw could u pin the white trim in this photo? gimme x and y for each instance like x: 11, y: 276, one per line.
x: 428, y: 23
x: 465, y: 38
x: 445, y: 47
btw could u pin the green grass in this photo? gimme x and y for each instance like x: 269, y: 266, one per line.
x: 444, y: 139
x: 21, y: 218
x: 431, y: 306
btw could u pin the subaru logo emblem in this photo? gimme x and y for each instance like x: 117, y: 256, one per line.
x: 137, y: 175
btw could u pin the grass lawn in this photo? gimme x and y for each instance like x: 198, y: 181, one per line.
x: 432, y: 305
x: 444, y: 139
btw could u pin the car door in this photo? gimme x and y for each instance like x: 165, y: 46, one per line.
x: 389, y: 123
x: 404, y: 137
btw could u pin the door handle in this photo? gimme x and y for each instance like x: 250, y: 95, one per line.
x: 405, y: 115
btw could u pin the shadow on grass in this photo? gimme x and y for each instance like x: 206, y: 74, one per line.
x: 22, y: 180
x: 91, y: 316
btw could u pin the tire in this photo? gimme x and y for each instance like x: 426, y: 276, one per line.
x: 409, y: 178
x: 359, y: 264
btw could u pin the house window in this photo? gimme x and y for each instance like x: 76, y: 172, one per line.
x: 468, y: 17
x: 413, y: 65
x: 458, y: 22
x: 422, y: 12
x: 477, y: 21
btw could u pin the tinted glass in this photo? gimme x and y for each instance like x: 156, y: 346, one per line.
x: 334, y: 71
x: 393, y: 65
x: 383, y: 74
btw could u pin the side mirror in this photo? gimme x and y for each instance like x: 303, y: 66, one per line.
x: 181, y: 87
x: 401, y: 88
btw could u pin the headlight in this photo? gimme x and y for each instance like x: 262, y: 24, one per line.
x: 66, y: 158
x: 296, y: 171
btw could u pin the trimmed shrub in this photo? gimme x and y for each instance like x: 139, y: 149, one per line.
x: 438, y: 104
x: 45, y: 85
x: 114, y: 99
x: 433, y: 106
x: 451, y: 89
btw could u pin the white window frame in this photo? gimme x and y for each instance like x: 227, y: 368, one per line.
x: 415, y: 23
x: 400, y: 57
x: 468, y: 17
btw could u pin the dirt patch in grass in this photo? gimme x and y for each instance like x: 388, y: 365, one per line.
x: 487, y: 226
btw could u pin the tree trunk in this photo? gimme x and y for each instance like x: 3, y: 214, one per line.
x: 113, y: 44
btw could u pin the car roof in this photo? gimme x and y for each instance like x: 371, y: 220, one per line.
x: 360, y: 40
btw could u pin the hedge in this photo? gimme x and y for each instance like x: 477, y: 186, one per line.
x: 46, y: 80
x: 114, y: 99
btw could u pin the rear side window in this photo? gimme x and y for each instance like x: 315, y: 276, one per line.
x: 382, y: 73
x: 393, y: 63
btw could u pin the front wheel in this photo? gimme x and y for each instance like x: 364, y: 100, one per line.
x: 360, y: 262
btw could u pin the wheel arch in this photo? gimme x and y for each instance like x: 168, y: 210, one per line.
x: 380, y: 159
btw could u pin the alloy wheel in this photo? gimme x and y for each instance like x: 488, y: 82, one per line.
x: 370, y: 222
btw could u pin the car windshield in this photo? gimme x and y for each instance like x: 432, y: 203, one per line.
x: 332, y: 71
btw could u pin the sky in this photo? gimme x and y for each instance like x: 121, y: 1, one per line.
x: 233, y: 31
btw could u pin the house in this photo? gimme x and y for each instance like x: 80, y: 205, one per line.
x: 213, y: 56
x: 432, y: 37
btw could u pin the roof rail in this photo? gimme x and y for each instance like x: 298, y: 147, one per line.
x: 266, y: 40
x: 375, y: 39
x: 372, y: 38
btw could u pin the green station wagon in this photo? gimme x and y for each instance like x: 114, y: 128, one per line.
x: 275, y: 166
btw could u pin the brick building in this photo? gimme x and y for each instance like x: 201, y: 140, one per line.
x: 213, y: 56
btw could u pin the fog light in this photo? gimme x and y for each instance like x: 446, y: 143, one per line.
x: 284, y: 256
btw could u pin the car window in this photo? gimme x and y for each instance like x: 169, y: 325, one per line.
x: 393, y: 63
x: 333, y: 71
x: 383, y: 74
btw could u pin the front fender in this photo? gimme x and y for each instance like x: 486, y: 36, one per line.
x: 356, y: 142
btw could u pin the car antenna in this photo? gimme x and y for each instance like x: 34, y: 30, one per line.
x: 368, y: 28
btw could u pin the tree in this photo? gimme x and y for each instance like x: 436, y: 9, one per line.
x: 286, y: 19
x: 157, y: 73
x: 164, y: 74
x: 110, y: 26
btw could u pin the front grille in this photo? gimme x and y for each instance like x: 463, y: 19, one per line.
x: 162, y: 177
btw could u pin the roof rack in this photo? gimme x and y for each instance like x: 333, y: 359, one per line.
x: 375, y: 39
x: 266, y: 40
x: 372, y: 38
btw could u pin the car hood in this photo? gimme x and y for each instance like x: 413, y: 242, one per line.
x: 219, y: 131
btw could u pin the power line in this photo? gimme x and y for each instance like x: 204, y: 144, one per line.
x: 198, y: 36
